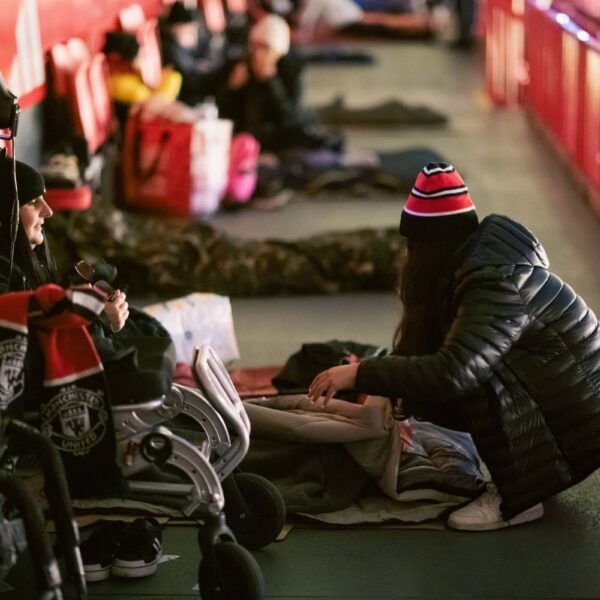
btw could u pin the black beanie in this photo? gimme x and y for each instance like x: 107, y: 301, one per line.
x: 30, y: 183
x: 124, y: 44
x: 180, y: 14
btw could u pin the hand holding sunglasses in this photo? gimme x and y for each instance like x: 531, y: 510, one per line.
x: 87, y: 272
x: 117, y: 308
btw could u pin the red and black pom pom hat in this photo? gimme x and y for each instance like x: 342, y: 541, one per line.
x: 438, y: 206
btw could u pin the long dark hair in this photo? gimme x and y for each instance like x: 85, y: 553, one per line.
x: 36, y: 265
x: 424, y: 323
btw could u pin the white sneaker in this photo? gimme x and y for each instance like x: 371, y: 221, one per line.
x: 483, y: 514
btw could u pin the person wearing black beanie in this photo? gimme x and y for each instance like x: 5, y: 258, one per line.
x: 493, y: 343
x: 132, y: 73
x: 32, y: 263
x: 179, y: 13
x: 189, y: 48
x: 121, y: 43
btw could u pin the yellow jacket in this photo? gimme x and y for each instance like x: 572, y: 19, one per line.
x: 129, y: 88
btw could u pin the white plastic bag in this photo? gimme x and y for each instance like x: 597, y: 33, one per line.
x: 198, y: 319
x: 210, y: 164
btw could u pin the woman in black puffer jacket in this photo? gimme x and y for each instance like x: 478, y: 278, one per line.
x: 493, y: 343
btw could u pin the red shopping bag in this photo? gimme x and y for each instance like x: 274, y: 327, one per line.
x: 157, y: 165
x: 175, y: 161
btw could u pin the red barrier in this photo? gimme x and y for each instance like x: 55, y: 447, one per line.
x: 86, y: 19
x: 549, y: 60
x: 505, y: 37
x: 29, y: 28
x: 591, y: 120
x: 564, y: 87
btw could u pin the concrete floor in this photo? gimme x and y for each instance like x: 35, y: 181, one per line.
x: 509, y: 170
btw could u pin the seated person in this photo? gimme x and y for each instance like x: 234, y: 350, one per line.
x: 125, y: 84
x: 33, y: 263
x: 91, y: 470
x: 189, y: 48
x: 262, y: 94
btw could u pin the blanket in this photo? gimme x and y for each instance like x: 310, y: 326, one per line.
x: 385, y: 114
x: 175, y: 256
x: 326, y: 459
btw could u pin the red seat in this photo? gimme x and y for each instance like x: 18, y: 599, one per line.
x: 150, y: 59
x: 79, y: 198
x: 98, y: 79
x: 61, y: 67
x: 84, y: 112
x: 81, y: 80
x: 78, y: 50
x: 132, y: 18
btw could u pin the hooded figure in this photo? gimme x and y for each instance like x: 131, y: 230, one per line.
x: 31, y: 265
x: 491, y: 342
x: 188, y: 47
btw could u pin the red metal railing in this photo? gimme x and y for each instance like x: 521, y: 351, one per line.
x: 505, y: 39
x: 548, y: 58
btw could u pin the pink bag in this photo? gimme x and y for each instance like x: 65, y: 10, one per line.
x: 243, y: 165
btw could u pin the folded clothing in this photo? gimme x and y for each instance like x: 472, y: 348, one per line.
x: 391, y: 112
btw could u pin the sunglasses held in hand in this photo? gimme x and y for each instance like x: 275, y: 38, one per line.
x: 86, y: 271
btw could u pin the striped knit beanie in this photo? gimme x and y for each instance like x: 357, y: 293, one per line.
x: 439, y: 206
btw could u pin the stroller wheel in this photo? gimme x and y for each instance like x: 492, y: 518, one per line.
x: 237, y: 575
x: 265, y: 516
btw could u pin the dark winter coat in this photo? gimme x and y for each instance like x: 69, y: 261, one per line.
x: 521, y: 363
x: 272, y: 111
x: 269, y: 110
x: 201, y: 68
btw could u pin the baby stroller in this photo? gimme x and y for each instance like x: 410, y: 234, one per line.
x: 146, y: 435
x: 255, y: 509
x: 219, y: 434
x: 220, y: 430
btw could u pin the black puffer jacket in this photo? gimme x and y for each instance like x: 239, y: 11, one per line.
x: 521, y: 363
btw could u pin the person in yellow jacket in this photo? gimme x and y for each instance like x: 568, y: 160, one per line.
x: 125, y: 83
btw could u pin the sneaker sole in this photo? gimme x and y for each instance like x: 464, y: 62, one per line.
x: 93, y: 574
x: 531, y: 514
x: 132, y: 570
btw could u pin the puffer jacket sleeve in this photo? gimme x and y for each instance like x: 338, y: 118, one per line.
x: 490, y: 318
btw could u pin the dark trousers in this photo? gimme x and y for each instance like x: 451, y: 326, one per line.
x: 465, y: 13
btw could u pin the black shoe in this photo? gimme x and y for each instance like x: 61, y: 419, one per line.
x: 99, y: 550
x: 139, y: 551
